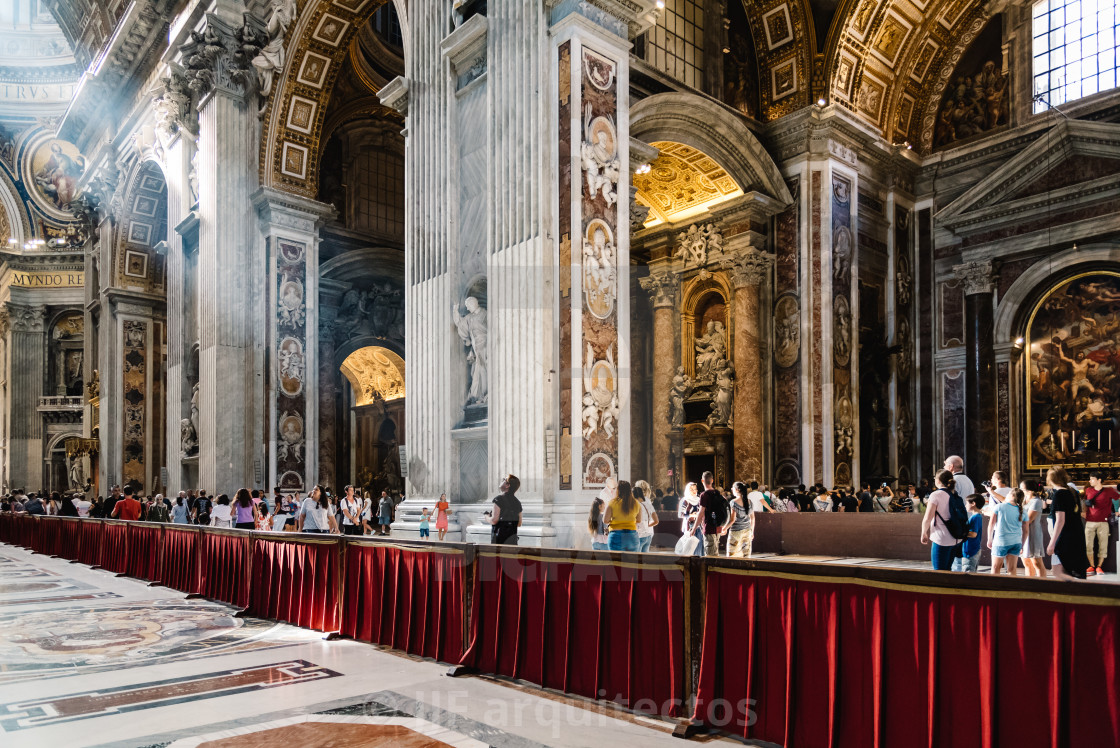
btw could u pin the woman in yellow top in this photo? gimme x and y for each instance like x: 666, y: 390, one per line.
x: 622, y: 519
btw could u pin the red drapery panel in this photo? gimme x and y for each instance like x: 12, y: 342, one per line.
x: 69, y: 538
x: 89, y: 544
x: 7, y: 529
x: 583, y: 626
x: 144, y: 551
x: 407, y: 598
x: 224, y: 560
x: 46, y: 539
x: 114, y: 547
x: 180, y: 569
x: 296, y: 581
x: 837, y: 662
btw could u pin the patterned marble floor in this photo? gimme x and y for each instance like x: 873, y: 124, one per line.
x: 91, y: 659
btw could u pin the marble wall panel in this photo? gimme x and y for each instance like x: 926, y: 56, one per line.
x: 1003, y: 415
x: 134, y: 378
x: 952, y: 314
x: 952, y: 398
x: 787, y: 345
x: 564, y: 244
x: 905, y: 363
x: 817, y: 344
x: 843, y: 253
x: 291, y: 362
x: 600, y: 291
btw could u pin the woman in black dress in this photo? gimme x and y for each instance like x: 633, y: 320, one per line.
x: 1068, y: 559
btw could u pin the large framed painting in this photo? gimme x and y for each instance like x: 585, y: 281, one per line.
x: 1073, y: 374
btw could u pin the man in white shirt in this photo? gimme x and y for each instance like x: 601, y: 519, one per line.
x: 757, y: 499
x: 955, y: 465
x: 82, y: 504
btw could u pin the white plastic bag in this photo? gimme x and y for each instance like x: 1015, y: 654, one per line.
x: 686, y: 546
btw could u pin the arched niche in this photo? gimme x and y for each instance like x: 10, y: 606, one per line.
x: 703, y: 300
x: 376, y: 376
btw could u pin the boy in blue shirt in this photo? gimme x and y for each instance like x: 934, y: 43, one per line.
x: 969, y: 560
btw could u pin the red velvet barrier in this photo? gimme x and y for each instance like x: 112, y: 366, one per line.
x: 179, y: 569
x: 583, y: 626
x: 296, y: 581
x: 114, y: 546
x: 89, y: 543
x: 808, y: 661
x: 224, y: 558
x: 144, y: 542
x: 69, y: 537
x: 406, y: 597
x: 7, y: 528
x: 46, y: 537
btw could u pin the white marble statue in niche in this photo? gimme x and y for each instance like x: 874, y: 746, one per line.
x: 472, y: 331
x: 188, y: 439
x: 678, y: 393
x: 599, y: 269
x: 710, y: 350
x: 723, y: 395
x: 599, y: 154
x: 600, y: 399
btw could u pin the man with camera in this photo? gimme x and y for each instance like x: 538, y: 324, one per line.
x: 1098, y: 508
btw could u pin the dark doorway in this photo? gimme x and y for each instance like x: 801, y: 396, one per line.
x: 694, y: 467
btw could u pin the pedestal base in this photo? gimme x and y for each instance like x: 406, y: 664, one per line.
x: 534, y: 536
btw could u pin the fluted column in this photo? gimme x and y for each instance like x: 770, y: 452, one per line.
x: 981, y: 432
x: 27, y: 349
x: 663, y: 286
x: 231, y: 318
x: 749, y: 268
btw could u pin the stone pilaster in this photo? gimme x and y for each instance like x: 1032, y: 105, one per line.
x: 663, y: 287
x: 981, y: 433
x: 290, y: 229
x: 27, y: 356
x: 749, y: 269
x: 232, y: 319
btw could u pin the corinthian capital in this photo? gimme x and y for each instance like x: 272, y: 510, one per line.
x: 748, y: 267
x: 218, y: 57
x: 26, y: 317
x: 978, y: 277
x: 662, y: 287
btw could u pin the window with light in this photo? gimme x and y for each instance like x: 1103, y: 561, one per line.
x: 1075, y: 50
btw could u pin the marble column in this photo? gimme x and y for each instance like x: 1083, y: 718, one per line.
x: 27, y: 351
x: 981, y: 431
x: 290, y: 229
x: 232, y: 321
x: 663, y: 287
x: 749, y: 268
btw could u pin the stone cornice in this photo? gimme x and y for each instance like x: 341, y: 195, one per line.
x: 632, y: 16
x: 278, y: 209
x: 395, y: 94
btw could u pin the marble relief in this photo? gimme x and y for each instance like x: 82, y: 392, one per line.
x: 842, y: 332
x: 291, y: 362
x: 564, y: 259
x: 134, y: 377
x: 600, y: 173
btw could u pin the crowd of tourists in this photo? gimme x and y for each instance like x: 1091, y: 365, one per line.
x: 624, y: 516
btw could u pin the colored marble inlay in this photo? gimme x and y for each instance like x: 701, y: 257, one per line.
x: 600, y: 157
x: 36, y: 713
x: 134, y: 377
x: 564, y: 261
x: 817, y: 345
x: 843, y: 255
x: 291, y: 360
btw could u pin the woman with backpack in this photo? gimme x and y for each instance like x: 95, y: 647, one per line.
x: 945, y: 523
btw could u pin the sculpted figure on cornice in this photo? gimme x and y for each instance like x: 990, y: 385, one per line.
x: 695, y: 244
x: 270, y: 59
x: 678, y: 393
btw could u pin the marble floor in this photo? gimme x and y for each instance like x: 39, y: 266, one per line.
x: 91, y: 659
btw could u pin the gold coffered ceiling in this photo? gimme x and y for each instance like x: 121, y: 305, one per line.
x: 682, y: 182
x: 374, y: 374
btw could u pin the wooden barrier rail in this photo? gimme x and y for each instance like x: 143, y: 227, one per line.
x: 794, y: 654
